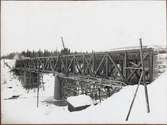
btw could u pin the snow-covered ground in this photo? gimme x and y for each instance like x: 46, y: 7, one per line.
x: 112, y: 110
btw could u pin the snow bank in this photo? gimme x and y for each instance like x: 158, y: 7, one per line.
x: 115, y: 108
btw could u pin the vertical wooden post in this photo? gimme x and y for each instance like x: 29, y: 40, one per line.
x: 93, y: 63
x: 125, y: 65
x: 145, y: 85
x: 151, y: 55
x: 38, y: 83
x: 73, y: 65
x: 83, y: 57
x: 37, y: 96
x: 66, y: 63
x: 107, y: 66
x: 99, y: 94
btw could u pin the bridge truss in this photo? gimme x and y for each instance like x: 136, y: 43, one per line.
x: 124, y: 65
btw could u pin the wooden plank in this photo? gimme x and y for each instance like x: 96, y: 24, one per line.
x: 73, y: 65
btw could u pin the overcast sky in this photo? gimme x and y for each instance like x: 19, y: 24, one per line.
x: 85, y: 26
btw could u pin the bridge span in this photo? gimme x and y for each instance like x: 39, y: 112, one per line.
x: 123, y: 65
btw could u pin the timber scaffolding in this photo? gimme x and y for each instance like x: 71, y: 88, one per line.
x: 96, y: 74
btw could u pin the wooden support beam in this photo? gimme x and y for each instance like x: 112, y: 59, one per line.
x: 70, y: 64
x: 63, y: 65
x: 99, y: 91
x: 78, y: 66
x: 101, y: 62
x: 56, y: 64
x: 84, y: 64
x: 138, y: 65
x: 133, y: 68
x: 145, y: 85
x: 94, y: 65
x: 107, y: 66
x: 51, y: 64
x: 151, y: 55
x: 38, y: 82
x: 88, y: 66
x: 125, y: 65
x: 115, y: 65
x: 73, y: 65
x: 66, y: 63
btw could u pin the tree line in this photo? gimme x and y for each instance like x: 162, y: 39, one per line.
x: 38, y: 53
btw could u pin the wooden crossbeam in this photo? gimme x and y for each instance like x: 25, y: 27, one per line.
x: 107, y: 66
x: 133, y: 68
x: 78, y: 66
x: 116, y: 67
x: 138, y: 65
x: 88, y: 68
x: 70, y: 64
x: 101, y: 62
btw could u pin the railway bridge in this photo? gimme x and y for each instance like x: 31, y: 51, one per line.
x: 96, y: 73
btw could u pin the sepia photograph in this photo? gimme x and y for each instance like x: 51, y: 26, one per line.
x: 83, y: 62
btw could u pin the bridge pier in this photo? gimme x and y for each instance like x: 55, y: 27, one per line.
x: 58, y: 93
